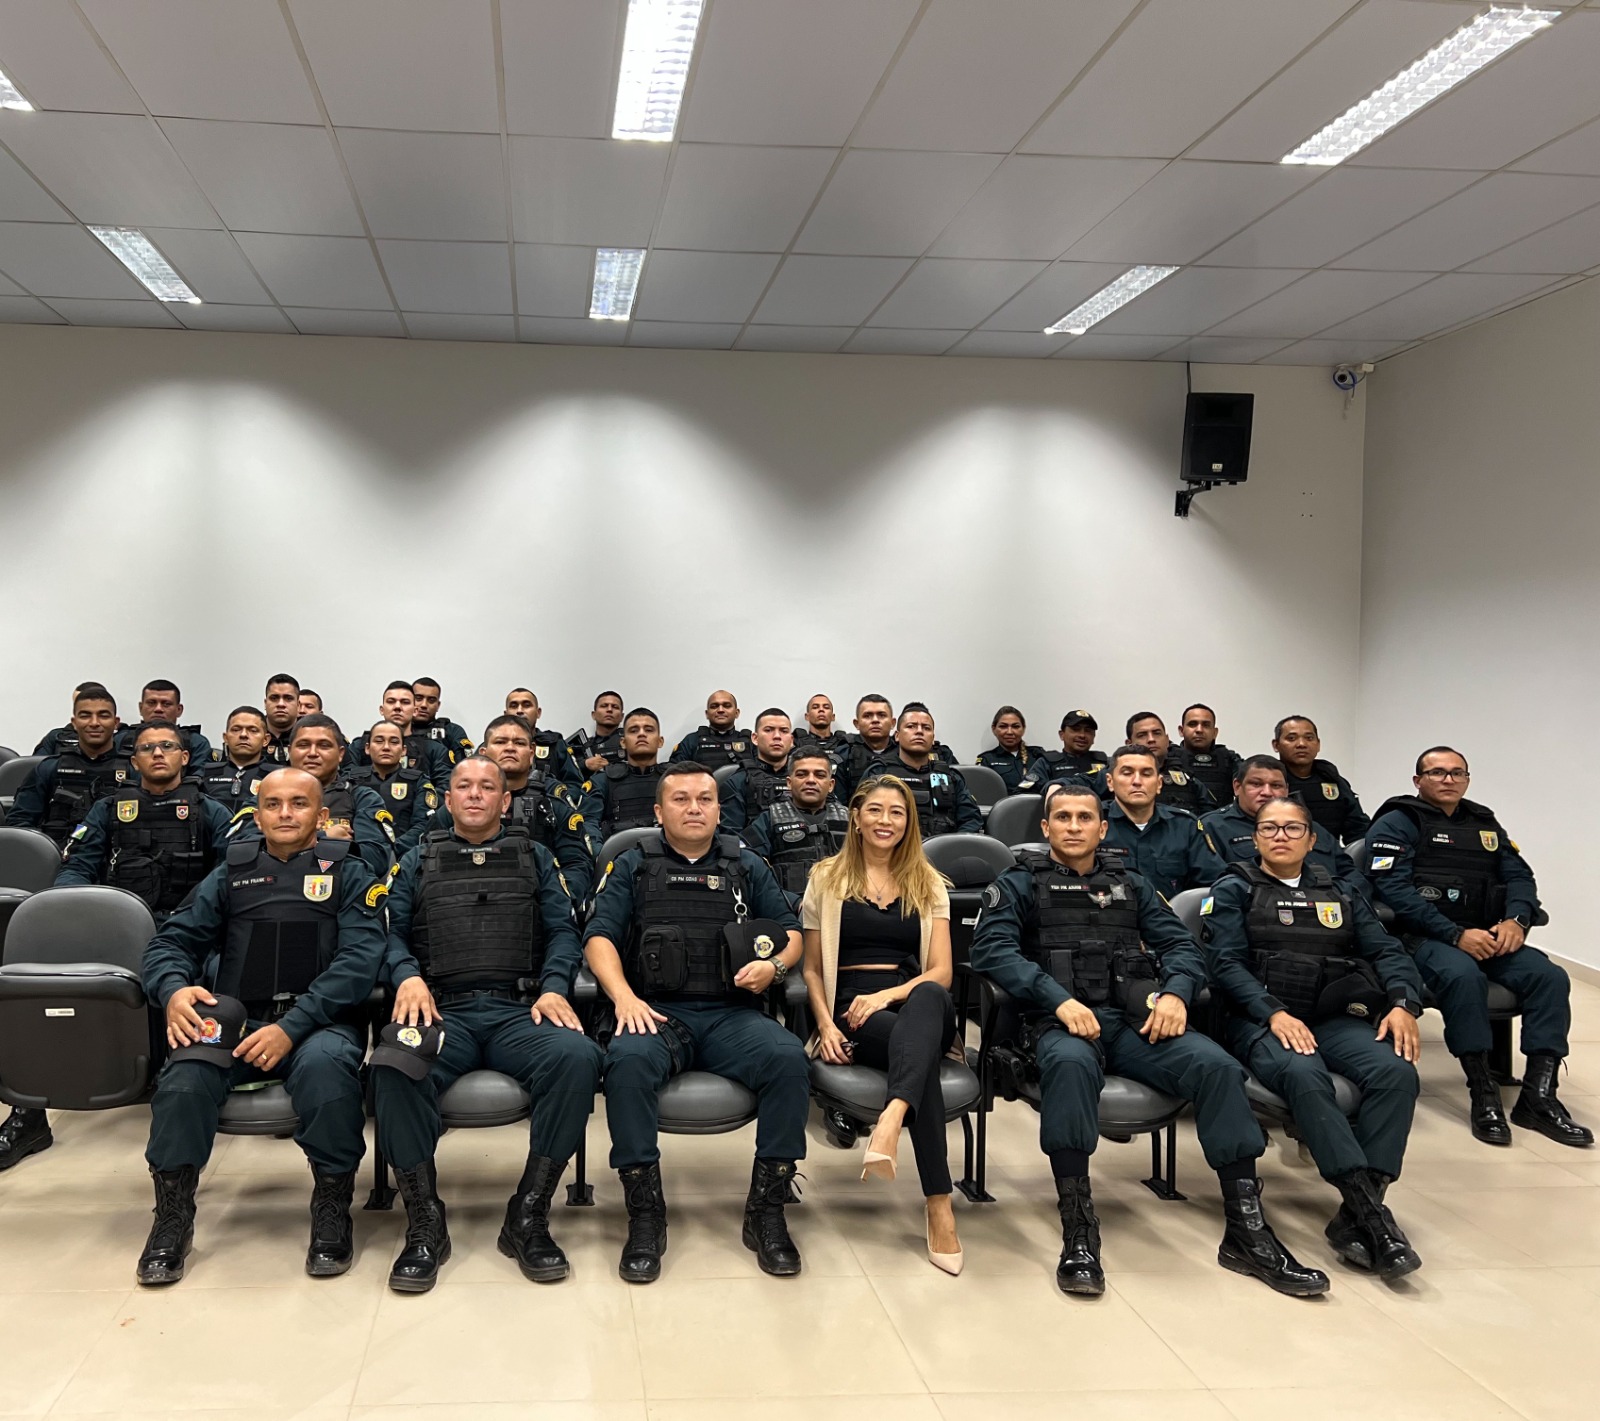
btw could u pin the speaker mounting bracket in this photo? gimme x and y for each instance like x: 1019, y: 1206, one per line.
x: 1186, y: 496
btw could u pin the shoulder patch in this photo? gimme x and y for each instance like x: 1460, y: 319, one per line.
x: 991, y: 896
x: 1382, y: 863
x: 376, y: 894
x: 1206, y: 905
x: 574, y: 823
x: 383, y: 816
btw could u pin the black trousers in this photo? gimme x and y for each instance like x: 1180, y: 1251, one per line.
x: 907, y: 1041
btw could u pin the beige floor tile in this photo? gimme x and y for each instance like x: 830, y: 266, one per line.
x: 762, y: 1337
x: 799, y: 1408
x: 505, y: 1411
x: 44, y: 1338
x: 305, y: 1413
x: 60, y: 1252
x: 1552, y: 1226
x: 1585, y: 1277
x: 1444, y: 1246
x: 1084, y: 1406
x: 502, y: 1342
x: 977, y: 1334
x: 1463, y: 1400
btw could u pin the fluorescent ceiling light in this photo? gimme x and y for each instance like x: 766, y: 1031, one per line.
x: 1461, y: 56
x: 656, y: 48
x: 132, y: 248
x: 11, y: 97
x: 1111, y: 298
x: 616, y: 281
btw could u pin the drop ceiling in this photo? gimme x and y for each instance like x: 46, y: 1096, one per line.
x: 906, y: 176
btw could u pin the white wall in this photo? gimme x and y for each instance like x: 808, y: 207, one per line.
x: 1481, y: 580
x: 962, y: 531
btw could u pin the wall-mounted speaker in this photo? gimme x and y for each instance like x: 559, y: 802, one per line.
x: 1216, y: 438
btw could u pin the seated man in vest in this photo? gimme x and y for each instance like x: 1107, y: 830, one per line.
x: 1464, y: 899
x: 399, y: 708
x: 1077, y: 762
x: 874, y: 737
x: 1334, y: 805
x: 281, y: 703
x: 719, y: 741
x: 64, y: 737
x: 803, y: 827
x: 1104, y: 975
x: 944, y: 803
x: 816, y: 730
x: 1011, y: 758
x: 233, y: 771
x: 661, y: 941
x: 296, y: 921
x: 57, y: 797
x: 1232, y: 831
x: 407, y: 792
x: 481, y: 942
x: 550, y: 749
x: 593, y: 751
x: 1147, y: 731
x: 627, y: 791
x: 1168, y: 846
x: 1201, y: 756
x: 1306, y: 972
x: 432, y: 722
x: 162, y: 700
x: 310, y: 701
x: 761, y: 778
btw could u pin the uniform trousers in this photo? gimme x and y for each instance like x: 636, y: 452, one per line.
x: 1460, y: 985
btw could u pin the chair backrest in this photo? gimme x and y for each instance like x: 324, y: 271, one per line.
x: 15, y: 773
x: 28, y: 860
x: 986, y: 785
x: 1015, y: 819
x: 7, y: 753
x: 80, y: 924
x: 622, y: 841
x: 969, y: 860
x: 723, y: 773
x: 1187, y: 906
x: 1356, y: 849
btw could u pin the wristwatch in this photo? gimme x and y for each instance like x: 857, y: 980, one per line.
x: 780, y: 970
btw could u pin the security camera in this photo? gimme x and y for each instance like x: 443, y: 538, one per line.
x: 1345, y: 378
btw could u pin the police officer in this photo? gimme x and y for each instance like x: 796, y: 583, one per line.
x: 1166, y: 845
x: 64, y: 737
x: 1199, y: 755
x: 298, y: 923
x: 874, y: 722
x: 1318, y: 784
x: 1232, y: 831
x: 310, y: 701
x: 762, y: 777
x: 1147, y: 730
x: 399, y: 708
x: 433, y: 723
x: 549, y: 749
x: 804, y: 826
x: 57, y: 796
x: 1011, y: 758
x: 162, y: 700
x: 1464, y: 899
x: 1076, y: 762
x: 593, y: 752
x: 406, y: 790
x: 658, y: 943
x: 281, y: 702
x: 1105, y: 975
x: 1307, y: 972
x: 816, y: 730
x: 231, y: 774
x: 719, y: 741
x: 944, y: 803
x: 627, y: 791
x: 481, y: 942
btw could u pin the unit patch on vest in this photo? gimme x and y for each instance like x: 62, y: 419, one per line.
x: 121, y: 776
x: 128, y: 810
x: 318, y: 887
x: 1330, y: 791
x: 479, y: 858
x: 255, y: 786
x: 398, y: 791
x: 1489, y: 839
x: 1430, y: 893
x: 1178, y: 777
x: 541, y: 752
x: 792, y: 836
x: 713, y: 881
x: 1330, y: 915
x: 1453, y: 894
x: 738, y: 747
x: 181, y: 810
x: 1286, y: 917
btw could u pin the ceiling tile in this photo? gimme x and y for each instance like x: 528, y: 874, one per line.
x: 344, y: 323
x: 548, y: 330
x: 207, y: 58
x: 234, y: 318
x: 1346, y: 208
x: 554, y: 281
x: 1094, y: 345
x: 560, y: 65
x: 975, y: 78
x: 816, y: 340
x: 1220, y: 350
x: 1500, y: 209
x: 444, y: 186
x: 22, y: 199
x: 62, y: 260
x: 1192, y: 300
x: 336, y: 272
x: 772, y: 71
x: 212, y: 264
x: 83, y: 312
x: 892, y: 203
x: 1176, y: 70
x: 51, y: 54
x: 109, y: 168
x: 947, y: 292
x: 598, y: 193
x: 425, y: 325
x: 268, y: 177
x: 1049, y: 296
x: 702, y: 286
x: 1332, y: 352
x: 830, y: 290
x: 24, y: 310
x: 1017, y: 344
x: 1187, y: 209
x: 683, y: 335
x: 415, y: 64
x: 10, y: 288
x: 893, y: 342
x: 1320, y: 300
x: 468, y: 278
x: 1368, y: 49
x: 1039, y: 206
x: 1578, y: 152
x: 1570, y: 246
x: 1446, y: 301
x: 733, y: 199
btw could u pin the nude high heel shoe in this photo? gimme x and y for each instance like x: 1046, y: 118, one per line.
x: 878, y: 1166
x: 951, y: 1263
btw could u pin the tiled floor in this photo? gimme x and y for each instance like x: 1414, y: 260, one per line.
x: 1498, y: 1324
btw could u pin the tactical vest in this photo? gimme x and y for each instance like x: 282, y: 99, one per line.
x: 438, y: 730
x: 716, y: 748
x: 277, y: 748
x: 1088, y: 768
x: 339, y: 799
x: 1180, y: 791
x: 763, y: 786
x: 583, y: 745
x: 79, y: 783
x: 1213, y: 769
x: 282, y: 923
x: 933, y: 788
x: 1301, y: 939
x: 400, y: 793
x: 1455, y: 868
x: 1320, y: 793
x: 836, y: 747
x: 159, y: 847
x: 630, y: 798
x: 801, y: 839
x: 1088, y: 935
x: 229, y: 784
x: 679, y: 911
x: 549, y: 751
x: 531, y: 813
x: 477, y: 921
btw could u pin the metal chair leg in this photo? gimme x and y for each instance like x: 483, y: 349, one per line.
x: 382, y: 1195
x: 1163, y: 1181
x: 1502, y: 1063
x: 580, y: 1193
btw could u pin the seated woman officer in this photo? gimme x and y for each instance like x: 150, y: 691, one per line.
x: 1307, y: 973
x: 878, y: 968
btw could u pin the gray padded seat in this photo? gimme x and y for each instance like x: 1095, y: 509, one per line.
x: 7, y: 753
x: 1015, y: 819
x: 481, y: 1099
x: 14, y: 774
x: 971, y: 862
x: 620, y: 843
x: 723, y: 773
x: 985, y: 785
x: 1127, y: 1108
x: 862, y: 1091
x: 1346, y: 1095
x: 1355, y: 850
x: 28, y: 860
x: 700, y: 1103
x: 266, y: 1111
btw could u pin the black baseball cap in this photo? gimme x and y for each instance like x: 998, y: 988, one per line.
x: 1074, y: 718
x: 411, y: 1049
x: 222, y: 1027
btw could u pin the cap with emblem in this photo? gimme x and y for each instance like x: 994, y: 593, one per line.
x: 411, y: 1049
x: 223, y: 1025
x: 1074, y: 718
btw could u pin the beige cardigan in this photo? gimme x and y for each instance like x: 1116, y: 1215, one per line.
x: 819, y: 912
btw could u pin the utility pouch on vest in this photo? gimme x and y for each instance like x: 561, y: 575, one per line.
x: 663, y: 959
x: 281, y: 962
x: 1295, y: 979
x: 140, y: 873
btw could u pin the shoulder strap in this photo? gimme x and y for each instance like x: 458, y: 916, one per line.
x: 240, y: 854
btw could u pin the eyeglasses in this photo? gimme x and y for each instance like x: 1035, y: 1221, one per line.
x: 1282, y: 831
x: 152, y: 747
x: 1437, y: 775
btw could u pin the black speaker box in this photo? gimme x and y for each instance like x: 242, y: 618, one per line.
x: 1216, y: 438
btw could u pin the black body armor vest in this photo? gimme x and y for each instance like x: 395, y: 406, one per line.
x: 763, y: 786
x: 1301, y: 939
x: 933, y: 788
x: 716, y: 748
x: 584, y: 745
x: 1212, y: 768
x: 836, y: 747
x: 80, y: 784
x: 630, y: 798
x: 400, y: 793
x: 477, y: 921
x: 1455, y: 865
x: 159, y: 847
x: 679, y: 912
x: 801, y: 839
x: 1180, y: 791
x: 232, y: 786
x: 1088, y: 938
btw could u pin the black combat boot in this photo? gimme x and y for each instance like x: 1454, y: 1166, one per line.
x: 172, y: 1234
x: 1537, y: 1107
x: 333, y: 1247
x: 25, y: 1133
x: 764, y: 1229
x: 1078, y: 1270
x: 647, y: 1223
x: 525, y: 1234
x: 1249, y: 1245
x: 1489, y: 1122
x: 427, y: 1248
x: 1364, y: 1233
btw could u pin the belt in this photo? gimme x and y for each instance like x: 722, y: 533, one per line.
x: 520, y: 994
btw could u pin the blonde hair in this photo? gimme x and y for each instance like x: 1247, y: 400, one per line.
x: 845, y: 874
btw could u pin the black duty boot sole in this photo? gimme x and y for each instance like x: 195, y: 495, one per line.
x: 37, y: 1145
x: 424, y: 1284
x: 1550, y: 1129
x: 1080, y: 1284
x: 633, y: 1273
x: 1289, y: 1287
x: 1399, y: 1266
x: 1350, y: 1244
x: 324, y: 1267
x: 1496, y: 1133
x: 776, y: 1270
x: 164, y: 1275
x: 550, y: 1273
